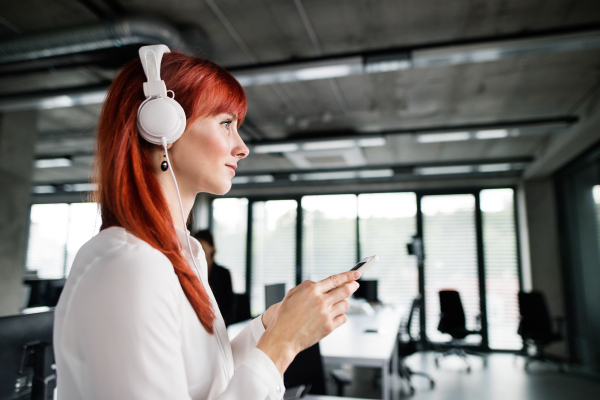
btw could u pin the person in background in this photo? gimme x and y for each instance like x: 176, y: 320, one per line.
x: 219, y: 277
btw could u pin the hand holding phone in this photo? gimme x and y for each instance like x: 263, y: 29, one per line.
x: 365, y: 264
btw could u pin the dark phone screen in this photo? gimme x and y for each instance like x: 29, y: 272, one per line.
x: 357, y: 266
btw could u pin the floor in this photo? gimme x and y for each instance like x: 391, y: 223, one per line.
x: 503, y: 378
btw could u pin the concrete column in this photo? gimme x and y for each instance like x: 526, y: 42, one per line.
x: 544, y: 253
x: 18, y: 133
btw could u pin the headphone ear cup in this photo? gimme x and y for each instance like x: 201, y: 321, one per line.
x: 160, y: 117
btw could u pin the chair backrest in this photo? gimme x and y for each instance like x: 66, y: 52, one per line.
x: 307, y: 368
x: 274, y: 294
x: 408, y: 347
x: 452, y: 313
x: 535, y: 318
x: 242, y: 307
x: 35, y: 332
x: 407, y: 323
x: 367, y: 290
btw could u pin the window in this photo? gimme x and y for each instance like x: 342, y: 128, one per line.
x: 273, y: 248
x: 450, y: 246
x: 56, y: 233
x: 329, y: 235
x: 501, y: 268
x: 230, y: 228
x: 386, y: 223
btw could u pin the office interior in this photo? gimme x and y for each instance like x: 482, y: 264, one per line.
x: 459, y: 141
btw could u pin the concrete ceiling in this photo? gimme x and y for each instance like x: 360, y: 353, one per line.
x: 242, y: 34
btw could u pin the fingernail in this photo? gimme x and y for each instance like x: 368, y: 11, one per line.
x: 356, y: 274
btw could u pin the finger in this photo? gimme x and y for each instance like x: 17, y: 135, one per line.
x: 334, y: 281
x: 339, y: 321
x: 342, y: 292
x: 340, y: 307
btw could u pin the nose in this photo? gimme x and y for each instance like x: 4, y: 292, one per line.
x: 239, y: 150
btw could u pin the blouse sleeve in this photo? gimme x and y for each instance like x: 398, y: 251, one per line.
x: 246, y: 341
x: 128, y: 325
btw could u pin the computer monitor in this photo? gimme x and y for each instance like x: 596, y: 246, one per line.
x: 367, y: 290
x: 26, y: 357
x: 274, y: 294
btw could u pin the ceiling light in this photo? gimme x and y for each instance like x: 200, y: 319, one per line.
x: 456, y: 169
x: 596, y: 194
x: 371, y: 142
x: 324, y: 176
x: 237, y: 180
x: 43, y: 189
x: 443, y: 137
x: 376, y: 173
x: 306, y: 71
x: 328, y: 145
x: 80, y: 187
x: 53, y: 163
x: 493, y: 51
x: 494, y: 167
x: 275, y: 148
x: 491, y: 134
x: 387, y: 62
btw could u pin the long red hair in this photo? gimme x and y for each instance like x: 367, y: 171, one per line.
x: 128, y: 191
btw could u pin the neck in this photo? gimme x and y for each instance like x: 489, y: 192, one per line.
x: 169, y: 191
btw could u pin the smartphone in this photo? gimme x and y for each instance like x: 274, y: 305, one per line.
x: 365, y: 264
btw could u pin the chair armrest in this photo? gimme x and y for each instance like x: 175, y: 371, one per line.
x: 478, y: 320
x: 341, y: 376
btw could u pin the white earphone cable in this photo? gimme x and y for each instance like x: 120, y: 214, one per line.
x: 187, y: 236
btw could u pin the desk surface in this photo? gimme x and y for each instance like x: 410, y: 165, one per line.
x: 352, y: 342
x: 366, y: 340
x: 320, y: 397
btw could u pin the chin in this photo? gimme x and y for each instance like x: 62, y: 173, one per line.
x: 220, y: 189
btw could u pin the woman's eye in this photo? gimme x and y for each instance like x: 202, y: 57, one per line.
x: 226, y: 123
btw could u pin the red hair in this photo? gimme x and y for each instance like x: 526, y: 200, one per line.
x: 128, y: 193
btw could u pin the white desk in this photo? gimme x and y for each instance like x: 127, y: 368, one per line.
x: 320, y: 397
x: 350, y: 344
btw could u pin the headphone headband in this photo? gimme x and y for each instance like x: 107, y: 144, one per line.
x: 159, y: 115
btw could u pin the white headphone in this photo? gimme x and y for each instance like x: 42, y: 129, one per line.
x: 159, y: 116
x: 160, y: 119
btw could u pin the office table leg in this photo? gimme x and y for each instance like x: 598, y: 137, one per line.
x: 385, y: 381
x: 395, y: 393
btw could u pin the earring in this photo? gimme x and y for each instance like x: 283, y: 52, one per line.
x: 164, y: 165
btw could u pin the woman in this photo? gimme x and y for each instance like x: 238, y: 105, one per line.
x: 135, y: 320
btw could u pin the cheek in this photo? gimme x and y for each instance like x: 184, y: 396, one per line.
x: 214, y: 147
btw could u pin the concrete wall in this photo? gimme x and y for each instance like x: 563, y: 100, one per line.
x: 17, y: 142
x: 544, y: 253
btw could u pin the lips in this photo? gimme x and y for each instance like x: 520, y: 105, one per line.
x: 232, y: 168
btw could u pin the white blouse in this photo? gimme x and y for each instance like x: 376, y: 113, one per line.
x: 124, y: 329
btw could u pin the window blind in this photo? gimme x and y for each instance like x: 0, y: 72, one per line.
x: 273, y: 248
x: 84, y: 223
x: 450, y: 247
x: 230, y: 230
x: 329, y: 235
x: 386, y: 223
x: 56, y: 233
x: 501, y: 268
x: 48, y: 229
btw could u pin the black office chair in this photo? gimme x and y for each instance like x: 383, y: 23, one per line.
x: 453, y: 322
x: 408, y: 345
x: 535, y: 327
x: 307, y: 369
x: 241, y: 310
